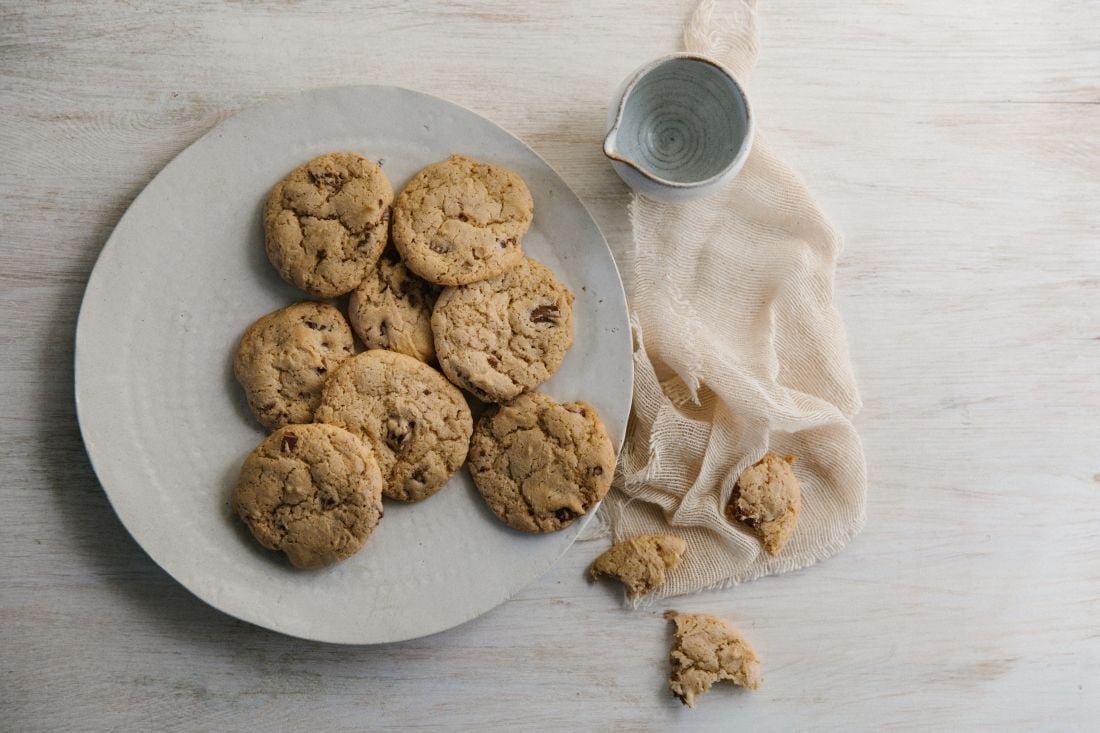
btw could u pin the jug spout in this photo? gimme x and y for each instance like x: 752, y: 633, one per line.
x: 612, y: 149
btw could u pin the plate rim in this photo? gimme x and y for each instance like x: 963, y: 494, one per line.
x: 110, y: 242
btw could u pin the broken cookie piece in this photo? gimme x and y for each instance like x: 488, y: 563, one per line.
x: 707, y: 649
x: 640, y: 562
x: 768, y: 498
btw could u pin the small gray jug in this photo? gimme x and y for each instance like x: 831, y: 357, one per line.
x: 680, y: 128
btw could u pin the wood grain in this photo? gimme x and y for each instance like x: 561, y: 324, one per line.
x: 956, y: 146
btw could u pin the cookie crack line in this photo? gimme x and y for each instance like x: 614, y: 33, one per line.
x: 366, y: 232
x: 314, y: 502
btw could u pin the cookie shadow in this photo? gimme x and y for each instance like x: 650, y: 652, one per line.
x: 233, y: 391
x: 89, y: 521
x: 91, y: 530
x: 260, y: 267
x: 109, y: 553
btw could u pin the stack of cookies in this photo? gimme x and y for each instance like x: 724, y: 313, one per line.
x: 453, y: 309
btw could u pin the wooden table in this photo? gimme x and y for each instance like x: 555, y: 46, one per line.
x: 956, y: 144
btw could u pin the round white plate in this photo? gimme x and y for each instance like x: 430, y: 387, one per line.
x: 166, y: 425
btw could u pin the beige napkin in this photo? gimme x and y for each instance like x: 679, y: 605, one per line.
x: 739, y: 350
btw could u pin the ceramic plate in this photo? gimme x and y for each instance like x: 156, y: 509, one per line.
x: 166, y: 426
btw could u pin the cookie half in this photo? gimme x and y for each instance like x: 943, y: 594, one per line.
x: 327, y: 223
x: 640, y: 562
x: 705, y: 650
x: 460, y: 220
x: 768, y: 498
x: 417, y: 422
x: 284, y: 357
x: 540, y: 463
x: 392, y: 309
x: 311, y: 491
x: 500, y: 337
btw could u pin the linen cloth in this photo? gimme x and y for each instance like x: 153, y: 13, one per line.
x: 738, y: 350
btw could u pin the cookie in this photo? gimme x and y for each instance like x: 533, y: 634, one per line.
x: 768, y: 498
x: 539, y: 463
x: 326, y: 223
x: 311, y: 491
x: 707, y: 649
x: 392, y: 309
x: 284, y: 357
x: 500, y: 337
x: 416, y: 421
x: 459, y: 221
x: 640, y: 562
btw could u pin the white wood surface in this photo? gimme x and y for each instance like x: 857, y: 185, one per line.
x: 956, y: 144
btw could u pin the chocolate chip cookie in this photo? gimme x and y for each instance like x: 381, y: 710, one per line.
x: 768, y: 498
x: 284, y: 357
x: 311, y: 491
x: 392, y: 309
x: 539, y: 463
x: 416, y: 421
x: 640, y: 562
x: 499, y: 337
x: 461, y: 220
x: 707, y: 649
x: 326, y: 223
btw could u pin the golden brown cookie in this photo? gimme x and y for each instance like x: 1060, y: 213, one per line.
x: 416, y: 421
x: 311, y: 491
x: 461, y: 220
x: 539, y: 463
x: 707, y: 649
x: 768, y: 498
x: 392, y: 309
x: 326, y: 223
x: 641, y: 561
x: 499, y: 337
x: 284, y: 357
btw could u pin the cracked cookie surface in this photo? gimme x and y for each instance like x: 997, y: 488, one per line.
x: 707, y: 649
x: 392, y: 309
x: 539, y: 463
x: 326, y: 223
x: 460, y: 220
x: 640, y: 562
x: 768, y: 498
x: 313, y: 492
x: 417, y: 422
x: 284, y: 357
x: 500, y: 337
